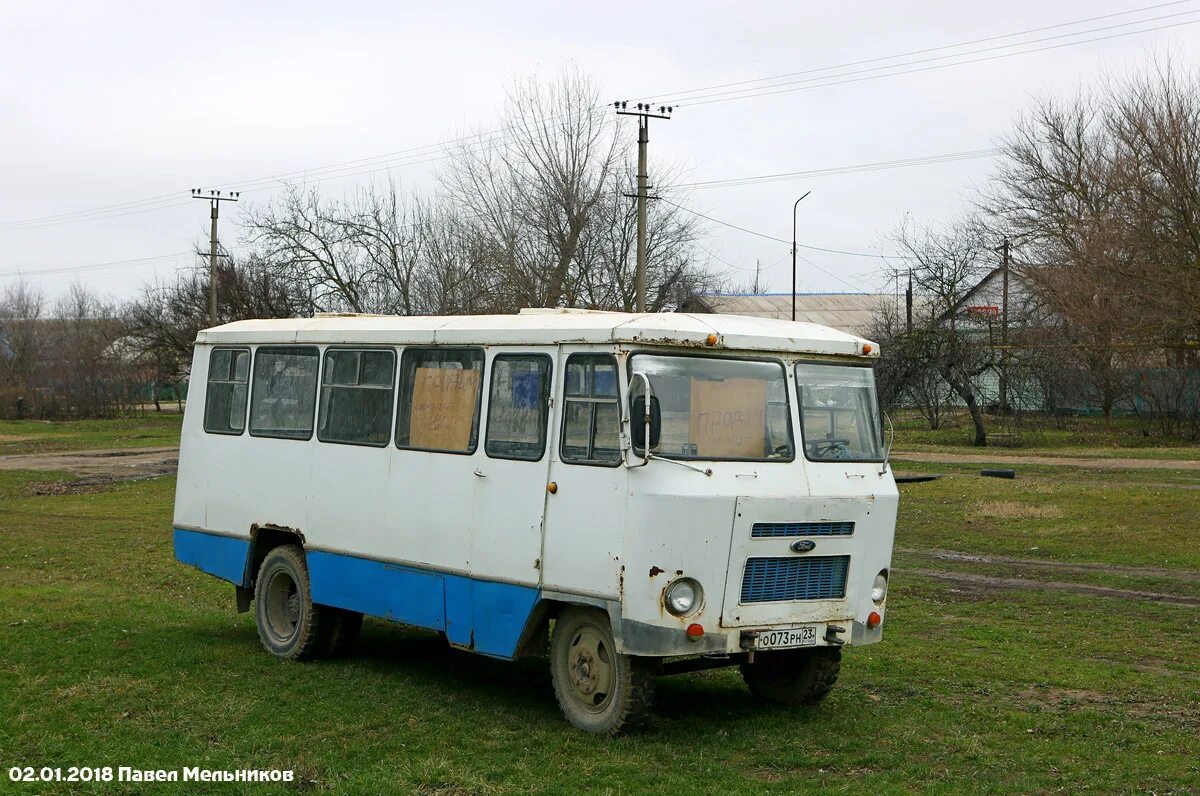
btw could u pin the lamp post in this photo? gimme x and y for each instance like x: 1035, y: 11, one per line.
x: 796, y: 205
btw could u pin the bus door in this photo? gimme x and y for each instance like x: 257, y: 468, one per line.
x: 585, y: 507
x: 510, y: 476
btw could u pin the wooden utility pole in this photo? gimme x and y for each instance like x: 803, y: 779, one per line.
x: 1004, y: 327
x: 643, y: 111
x: 908, y: 304
x: 214, y: 198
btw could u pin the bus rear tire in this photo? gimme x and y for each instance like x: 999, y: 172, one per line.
x: 793, y: 677
x: 289, y: 624
x: 597, y: 688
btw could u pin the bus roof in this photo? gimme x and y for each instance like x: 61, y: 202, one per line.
x: 548, y: 327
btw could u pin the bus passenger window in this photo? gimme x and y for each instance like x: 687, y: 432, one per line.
x: 357, y: 389
x: 438, y: 408
x: 591, y: 421
x: 228, y: 385
x: 285, y: 392
x: 518, y: 406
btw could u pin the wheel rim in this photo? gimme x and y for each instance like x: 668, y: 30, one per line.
x: 590, y: 669
x: 283, y: 606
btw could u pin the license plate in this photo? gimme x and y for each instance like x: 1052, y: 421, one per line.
x: 790, y: 637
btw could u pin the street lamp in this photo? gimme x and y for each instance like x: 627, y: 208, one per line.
x: 797, y: 204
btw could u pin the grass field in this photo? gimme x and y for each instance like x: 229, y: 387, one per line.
x: 1067, y: 436
x: 113, y: 654
x: 36, y: 436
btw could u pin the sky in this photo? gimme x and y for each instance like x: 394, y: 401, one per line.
x: 111, y: 112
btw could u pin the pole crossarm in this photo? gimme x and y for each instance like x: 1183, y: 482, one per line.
x: 645, y: 113
x: 214, y: 198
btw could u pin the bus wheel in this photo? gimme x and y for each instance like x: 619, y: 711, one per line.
x: 289, y: 625
x: 598, y: 689
x: 793, y: 677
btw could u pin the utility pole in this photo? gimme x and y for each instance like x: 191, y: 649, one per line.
x: 794, y: 206
x: 1004, y: 327
x: 757, y: 272
x: 214, y: 198
x: 908, y: 296
x: 645, y: 113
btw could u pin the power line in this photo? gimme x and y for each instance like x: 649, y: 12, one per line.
x: 830, y: 274
x: 681, y: 95
x: 835, y: 82
x: 90, y: 266
x: 858, y: 168
x: 418, y: 155
x: 780, y: 240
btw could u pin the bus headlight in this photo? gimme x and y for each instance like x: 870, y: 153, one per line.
x: 879, y: 590
x: 683, y: 597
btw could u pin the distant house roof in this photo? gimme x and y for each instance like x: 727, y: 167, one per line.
x: 855, y: 313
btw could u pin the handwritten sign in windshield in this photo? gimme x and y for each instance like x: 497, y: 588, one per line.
x: 729, y: 418
x: 443, y: 408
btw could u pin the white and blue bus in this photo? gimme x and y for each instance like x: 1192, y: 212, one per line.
x: 637, y: 494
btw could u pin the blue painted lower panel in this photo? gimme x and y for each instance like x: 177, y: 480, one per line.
x: 223, y: 556
x: 412, y: 596
x: 484, y: 615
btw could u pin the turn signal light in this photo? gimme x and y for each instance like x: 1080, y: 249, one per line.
x: 874, y: 620
x: 695, y: 630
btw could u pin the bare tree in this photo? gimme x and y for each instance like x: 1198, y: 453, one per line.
x: 945, y: 265
x: 530, y: 195
x: 311, y: 242
x: 161, y: 324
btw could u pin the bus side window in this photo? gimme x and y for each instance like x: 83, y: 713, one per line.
x: 228, y: 387
x: 285, y: 392
x: 591, y: 420
x: 357, y: 388
x: 517, y: 407
x: 440, y: 391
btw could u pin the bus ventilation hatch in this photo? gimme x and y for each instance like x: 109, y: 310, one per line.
x: 778, y: 530
x: 784, y: 579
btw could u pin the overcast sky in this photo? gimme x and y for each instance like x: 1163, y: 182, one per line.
x: 108, y: 103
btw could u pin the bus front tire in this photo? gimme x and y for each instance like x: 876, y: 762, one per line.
x: 597, y: 688
x: 793, y: 677
x: 289, y: 624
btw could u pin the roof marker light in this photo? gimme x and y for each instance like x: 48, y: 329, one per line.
x: 867, y: 348
x: 711, y: 340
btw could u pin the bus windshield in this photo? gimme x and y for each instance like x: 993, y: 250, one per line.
x: 839, y: 414
x: 717, y: 408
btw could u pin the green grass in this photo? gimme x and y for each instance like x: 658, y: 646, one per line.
x: 38, y: 436
x: 1100, y: 517
x: 111, y: 653
x: 1042, y: 436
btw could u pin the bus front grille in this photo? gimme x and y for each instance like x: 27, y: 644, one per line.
x: 769, y: 580
x: 777, y: 530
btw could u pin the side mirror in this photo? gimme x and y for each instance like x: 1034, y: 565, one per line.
x: 637, y: 423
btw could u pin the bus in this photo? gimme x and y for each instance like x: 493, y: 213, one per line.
x: 631, y: 495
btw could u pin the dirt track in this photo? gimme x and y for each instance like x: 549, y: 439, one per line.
x: 1061, y: 461
x: 117, y: 464
x: 989, y: 583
